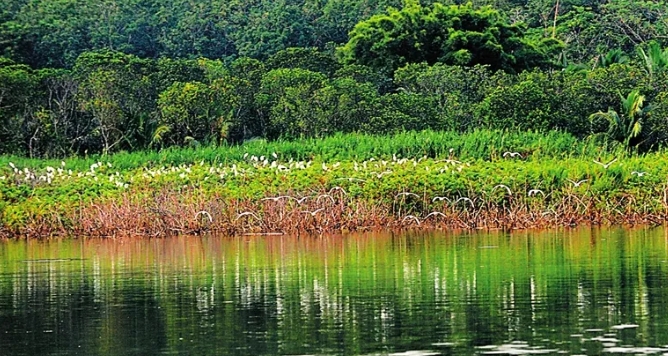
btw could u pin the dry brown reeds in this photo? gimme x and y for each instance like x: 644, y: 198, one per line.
x: 166, y: 213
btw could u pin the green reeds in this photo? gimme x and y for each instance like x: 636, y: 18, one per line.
x: 477, y: 145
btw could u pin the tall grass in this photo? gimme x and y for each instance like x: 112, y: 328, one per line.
x: 477, y: 145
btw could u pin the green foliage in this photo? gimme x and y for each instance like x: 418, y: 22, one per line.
x: 117, y: 91
x: 364, y: 74
x: 417, y: 65
x: 195, y: 110
x: 598, y: 27
x: 455, y: 35
x: 627, y: 126
x: 539, y: 101
x: 655, y: 59
x: 614, y: 56
x: 342, y: 102
x: 428, y: 163
x: 450, y: 91
x: 476, y: 145
x: 304, y: 58
x: 17, y: 85
x: 285, y: 98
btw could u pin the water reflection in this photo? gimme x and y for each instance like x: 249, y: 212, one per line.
x: 574, y: 292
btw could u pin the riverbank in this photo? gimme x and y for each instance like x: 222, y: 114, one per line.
x: 275, y: 192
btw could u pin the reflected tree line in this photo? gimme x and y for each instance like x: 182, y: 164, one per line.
x: 353, y: 296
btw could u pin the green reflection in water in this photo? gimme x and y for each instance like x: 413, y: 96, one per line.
x: 579, y: 292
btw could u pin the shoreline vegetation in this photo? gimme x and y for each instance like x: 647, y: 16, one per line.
x: 333, y: 116
x: 412, y: 180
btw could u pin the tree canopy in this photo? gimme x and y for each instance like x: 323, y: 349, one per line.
x: 100, y: 76
x: 454, y: 34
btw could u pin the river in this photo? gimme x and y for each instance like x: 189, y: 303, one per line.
x: 577, y: 292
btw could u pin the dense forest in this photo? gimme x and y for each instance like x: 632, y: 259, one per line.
x: 100, y: 76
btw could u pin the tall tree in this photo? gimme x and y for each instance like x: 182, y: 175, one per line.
x: 455, y: 34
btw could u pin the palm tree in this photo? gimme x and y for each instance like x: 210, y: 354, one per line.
x: 614, y: 56
x: 655, y: 59
x: 629, y: 124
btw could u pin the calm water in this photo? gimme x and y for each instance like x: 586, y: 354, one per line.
x: 574, y: 292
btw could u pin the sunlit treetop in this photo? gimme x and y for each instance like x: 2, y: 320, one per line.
x: 454, y: 34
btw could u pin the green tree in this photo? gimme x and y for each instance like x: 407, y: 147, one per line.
x: 304, y: 58
x: 247, y: 120
x: 285, y: 98
x: 344, y: 105
x: 55, y: 126
x: 195, y: 111
x: 539, y: 101
x: 655, y: 59
x: 455, y: 34
x: 17, y: 83
x: 117, y: 91
x: 452, y: 91
x: 626, y: 126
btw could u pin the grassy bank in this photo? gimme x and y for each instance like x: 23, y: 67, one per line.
x: 343, y: 183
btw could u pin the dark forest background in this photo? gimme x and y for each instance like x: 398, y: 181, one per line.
x: 98, y: 76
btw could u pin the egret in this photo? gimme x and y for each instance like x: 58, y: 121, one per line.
x: 412, y: 217
x: 314, y: 212
x: 246, y: 213
x: 434, y: 213
x: 504, y: 187
x: 206, y: 213
x: 533, y: 192
x: 511, y: 154
x: 578, y: 183
x: 441, y: 199
x: 605, y: 165
x: 406, y: 194
x: 276, y: 198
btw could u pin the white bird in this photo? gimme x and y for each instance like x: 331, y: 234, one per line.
x: 206, y: 213
x: 605, y: 165
x: 314, y: 212
x: 338, y: 188
x: 406, y: 194
x: 434, y: 213
x: 276, y: 198
x: 349, y: 179
x: 321, y: 196
x: 504, y: 187
x: 639, y: 174
x: 300, y: 200
x: 578, y: 183
x: 413, y: 217
x: 381, y: 174
x: 466, y: 200
x: 511, y: 154
x: 246, y: 213
x: 454, y: 161
x: 441, y: 199
x: 533, y: 192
